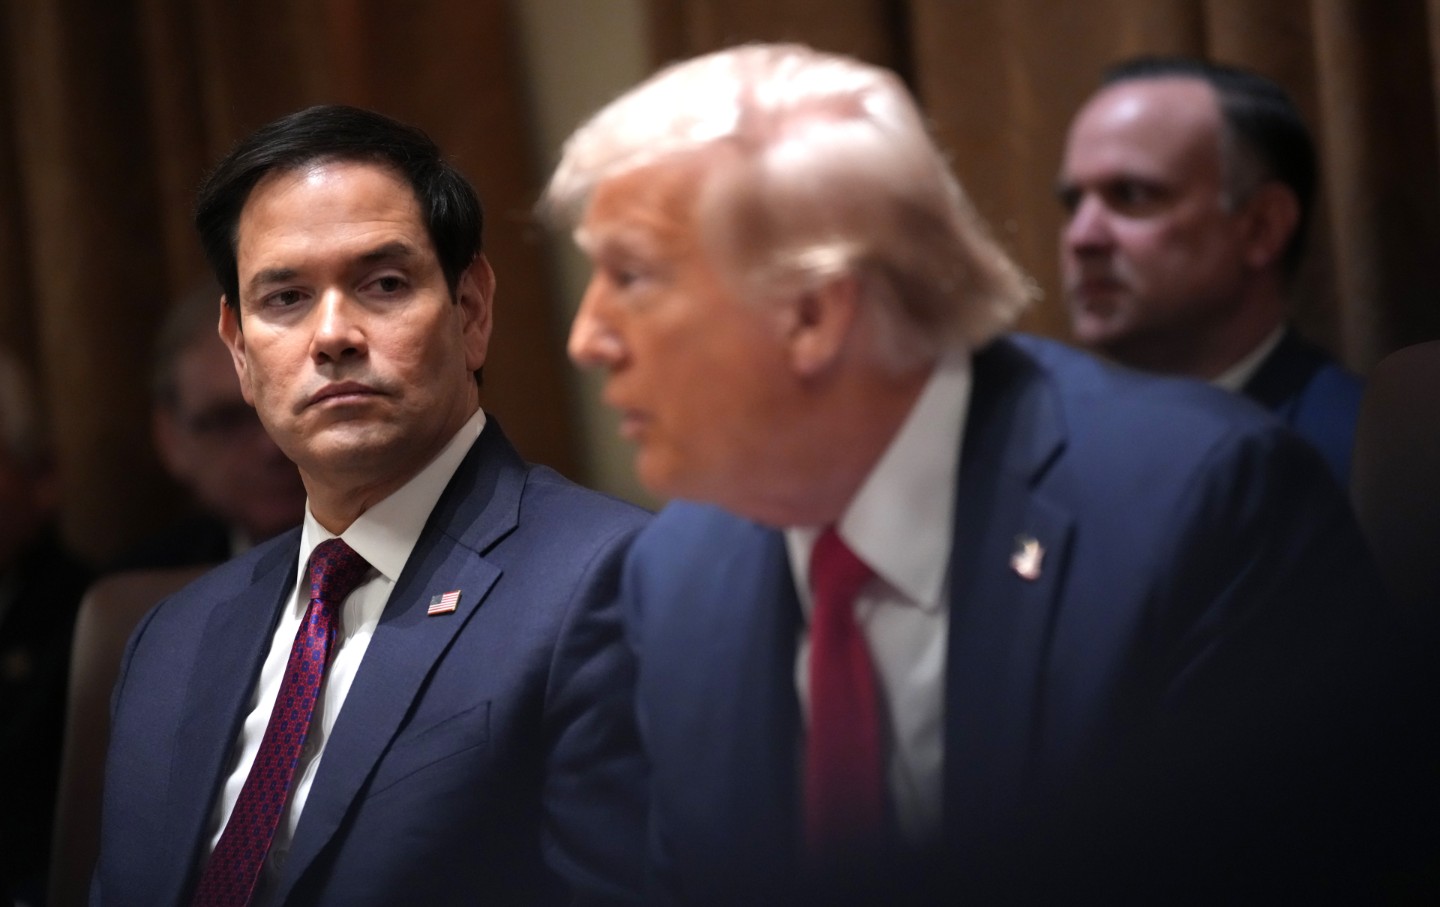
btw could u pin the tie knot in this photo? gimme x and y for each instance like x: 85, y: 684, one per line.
x: 836, y: 572
x: 335, y: 571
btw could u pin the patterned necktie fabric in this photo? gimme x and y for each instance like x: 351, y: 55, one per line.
x: 844, y: 754
x: 233, y: 868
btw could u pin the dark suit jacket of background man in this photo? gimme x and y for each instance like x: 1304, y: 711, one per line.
x: 1140, y: 719
x: 191, y: 541
x: 473, y: 749
x: 1312, y: 394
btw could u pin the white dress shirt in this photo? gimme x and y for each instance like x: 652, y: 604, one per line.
x: 901, y: 523
x: 384, y: 535
x: 1238, y: 375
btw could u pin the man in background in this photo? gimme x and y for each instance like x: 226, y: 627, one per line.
x: 245, y: 490
x: 947, y: 612
x: 40, y: 587
x: 422, y: 694
x: 1188, y: 188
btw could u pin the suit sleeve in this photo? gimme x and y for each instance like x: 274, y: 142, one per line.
x: 1273, y: 655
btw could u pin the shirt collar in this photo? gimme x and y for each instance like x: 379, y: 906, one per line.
x: 1238, y: 375
x: 901, y: 521
x: 386, y: 533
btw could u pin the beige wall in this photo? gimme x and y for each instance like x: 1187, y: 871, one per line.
x: 578, y: 54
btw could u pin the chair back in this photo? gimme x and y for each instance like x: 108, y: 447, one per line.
x: 109, y: 612
x: 1395, y: 476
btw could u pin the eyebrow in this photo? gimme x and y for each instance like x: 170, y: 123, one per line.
x: 390, y: 251
x: 625, y: 240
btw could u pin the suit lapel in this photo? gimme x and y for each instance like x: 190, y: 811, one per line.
x: 760, y: 672
x: 218, y: 696
x: 1001, y: 608
x: 479, y: 507
x: 1283, y: 375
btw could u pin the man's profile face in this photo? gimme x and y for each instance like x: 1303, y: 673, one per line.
x: 347, y: 341
x: 213, y: 442
x: 690, y: 366
x: 1150, y: 251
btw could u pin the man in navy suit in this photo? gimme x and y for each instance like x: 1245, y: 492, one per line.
x: 1188, y: 188
x: 472, y: 740
x: 1105, y: 633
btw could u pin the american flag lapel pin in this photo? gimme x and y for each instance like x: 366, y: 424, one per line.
x: 1026, y: 560
x: 444, y: 603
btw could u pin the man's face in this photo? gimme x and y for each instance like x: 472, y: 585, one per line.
x: 213, y: 442
x: 347, y: 341
x: 695, y: 371
x: 1150, y: 252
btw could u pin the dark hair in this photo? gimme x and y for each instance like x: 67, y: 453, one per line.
x: 1263, y: 124
x: 448, y: 203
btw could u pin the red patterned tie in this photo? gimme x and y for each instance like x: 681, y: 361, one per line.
x: 233, y: 868
x: 844, y: 754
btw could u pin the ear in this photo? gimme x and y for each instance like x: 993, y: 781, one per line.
x: 819, y: 323
x: 234, y: 338
x: 475, y: 295
x: 1272, y: 214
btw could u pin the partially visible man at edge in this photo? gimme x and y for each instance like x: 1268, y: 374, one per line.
x: 41, y: 581
x: 948, y: 613
x: 1188, y: 188
x: 472, y: 738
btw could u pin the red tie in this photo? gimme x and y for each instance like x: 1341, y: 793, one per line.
x: 844, y: 755
x: 233, y: 868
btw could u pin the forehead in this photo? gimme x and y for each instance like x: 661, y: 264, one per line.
x: 325, y: 202
x: 656, y: 208
x: 1161, y: 127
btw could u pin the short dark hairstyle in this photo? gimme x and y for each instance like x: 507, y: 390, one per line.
x: 448, y: 203
x: 1263, y: 125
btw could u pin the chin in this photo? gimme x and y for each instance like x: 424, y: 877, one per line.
x: 1094, y: 333
x: 655, y: 480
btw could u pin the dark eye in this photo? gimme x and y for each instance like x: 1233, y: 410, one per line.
x: 624, y: 277
x: 1134, y: 197
x: 284, y: 299
x: 1069, y: 198
x: 390, y: 283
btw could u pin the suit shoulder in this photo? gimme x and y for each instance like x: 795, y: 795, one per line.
x: 550, y: 496
x: 1103, y: 389
x: 227, y: 579
x: 684, y: 526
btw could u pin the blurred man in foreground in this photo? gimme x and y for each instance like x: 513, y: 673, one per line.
x: 947, y: 611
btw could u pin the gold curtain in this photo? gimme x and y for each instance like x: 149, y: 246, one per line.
x: 1001, y: 79
x: 110, y: 114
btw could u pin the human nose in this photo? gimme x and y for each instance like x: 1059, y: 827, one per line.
x: 594, y: 340
x: 1088, y: 227
x: 339, y: 333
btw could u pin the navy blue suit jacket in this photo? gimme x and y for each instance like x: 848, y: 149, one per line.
x: 1158, y: 702
x: 1312, y: 394
x: 483, y: 756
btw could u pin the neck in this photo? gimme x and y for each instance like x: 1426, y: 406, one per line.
x: 834, y: 446
x: 1206, y: 348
